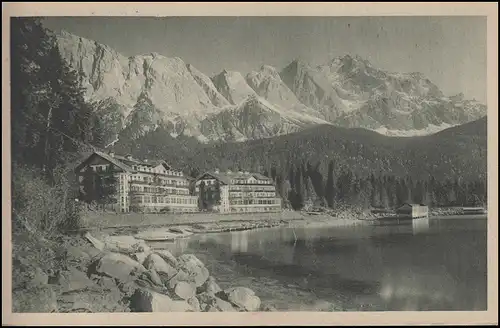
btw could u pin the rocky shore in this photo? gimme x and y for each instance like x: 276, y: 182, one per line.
x: 110, y: 270
x: 122, y: 274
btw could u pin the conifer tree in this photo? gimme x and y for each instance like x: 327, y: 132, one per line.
x: 330, y: 187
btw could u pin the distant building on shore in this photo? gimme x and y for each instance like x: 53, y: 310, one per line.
x: 474, y: 210
x: 139, y: 185
x: 237, y: 192
x: 412, y: 211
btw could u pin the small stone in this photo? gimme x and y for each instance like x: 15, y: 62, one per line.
x: 195, y: 304
x: 148, y: 301
x: 185, y: 290
x: 243, y: 298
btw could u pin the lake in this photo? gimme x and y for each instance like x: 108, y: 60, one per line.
x: 436, y: 264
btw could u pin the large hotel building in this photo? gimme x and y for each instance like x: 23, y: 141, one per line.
x: 240, y: 192
x: 142, y: 185
x: 154, y: 186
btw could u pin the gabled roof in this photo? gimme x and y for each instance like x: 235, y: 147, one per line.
x: 412, y: 205
x: 109, y: 158
x: 126, y: 163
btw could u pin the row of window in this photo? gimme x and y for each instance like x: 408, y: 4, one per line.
x: 164, y: 200
x: 253, y: 194
x: 171, y: 191
x: 254, y: 201
x: 246, y: 181
x: 160, y: 170
x: 99, y: 168
x: 159, y: 180
x: 252, y: 188
x: 255, y: 209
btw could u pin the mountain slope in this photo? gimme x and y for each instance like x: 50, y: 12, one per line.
x: 455, y: 152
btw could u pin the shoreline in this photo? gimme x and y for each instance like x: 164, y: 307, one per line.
x: 201, y: 223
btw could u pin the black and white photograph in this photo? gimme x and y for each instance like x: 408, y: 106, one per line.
x: 249, y: 164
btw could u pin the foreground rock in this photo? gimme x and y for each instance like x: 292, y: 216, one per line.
x: 242, y: 297
x: 156, y: 262
x: 141, y: 280
x: 197, y: 273
x: 149, y: 301
x: 118, y: 266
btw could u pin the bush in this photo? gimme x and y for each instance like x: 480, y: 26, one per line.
x: 40, y: 208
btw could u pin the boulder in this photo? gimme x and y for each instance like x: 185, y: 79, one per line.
x: 181, y: 275
x: 144, y: 300
x: 242, y: 297
x: 195, y: 268
x: 155, y: 278
x: 190, y: 258
x: 118, y: 266
x: 74, y: 279
x: 185, y: 290
x: 210, y: 286
x: 167, y: 257
x: 156, y: 262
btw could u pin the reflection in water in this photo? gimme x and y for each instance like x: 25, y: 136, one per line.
x: 421, y: 265
x: 420, y: 225
x: 239, y: 241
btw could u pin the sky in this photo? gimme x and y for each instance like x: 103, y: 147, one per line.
x: 449, y: 50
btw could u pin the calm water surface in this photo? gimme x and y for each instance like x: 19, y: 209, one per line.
x: 432, y: 264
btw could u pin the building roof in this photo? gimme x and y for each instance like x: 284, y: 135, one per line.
x: 411, y: 205
x: 226, y: 177
x: 125, y: 162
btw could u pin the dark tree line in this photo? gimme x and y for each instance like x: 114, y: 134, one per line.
x: 51, y: 121
x: 51, y: 125
x: 304, y: 186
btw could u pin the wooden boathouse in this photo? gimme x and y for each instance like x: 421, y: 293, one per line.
x: 412, y: 211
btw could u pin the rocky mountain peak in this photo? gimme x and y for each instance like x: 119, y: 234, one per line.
x: 151, y: 89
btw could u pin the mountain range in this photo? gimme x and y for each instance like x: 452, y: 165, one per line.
x: 139, y: 94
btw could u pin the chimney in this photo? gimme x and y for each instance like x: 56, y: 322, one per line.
x: 111, y: 153
x: 217, y: 171
x: 129, y: 157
